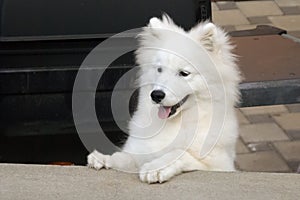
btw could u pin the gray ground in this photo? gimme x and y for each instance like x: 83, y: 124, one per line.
x: 55, y: 182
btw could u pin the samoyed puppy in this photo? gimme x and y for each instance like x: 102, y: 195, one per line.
x: 185, y: 118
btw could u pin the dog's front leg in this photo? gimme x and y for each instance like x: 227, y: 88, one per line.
x: 119, y: 161
x: 169, y: 165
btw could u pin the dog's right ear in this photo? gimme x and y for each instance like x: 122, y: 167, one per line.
x: 153, y: 27
x: 154, y: 22
x: 158, y: 28
x: 165, y: 22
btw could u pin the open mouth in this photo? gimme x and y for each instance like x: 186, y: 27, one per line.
x: 167, y: 111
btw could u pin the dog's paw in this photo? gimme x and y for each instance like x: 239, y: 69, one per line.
x: 97, y: 160
x: 150, y: 174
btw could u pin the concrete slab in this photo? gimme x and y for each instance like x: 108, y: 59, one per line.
x: 289, y: 121
x: 287, y: 22
x: 289, y: 150
x: 259, y: 8
x: 229, y: 17
x: 264, y: 161
x: 55, y: 182
x: 262, y: 132
x: 264, y: 110
x: 285, y: 3
x: 241, y: 147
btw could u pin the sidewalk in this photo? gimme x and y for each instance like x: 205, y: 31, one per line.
x: 269, y: 138
x: 241, y: 15
x: 269, y: 135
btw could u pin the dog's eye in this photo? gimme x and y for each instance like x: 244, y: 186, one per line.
x: 184, y: 73
x: 159, y: 69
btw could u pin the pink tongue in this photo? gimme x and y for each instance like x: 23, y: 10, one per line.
x: 163, y: 112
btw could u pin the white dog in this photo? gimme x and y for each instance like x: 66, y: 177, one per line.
x: 185, y: 118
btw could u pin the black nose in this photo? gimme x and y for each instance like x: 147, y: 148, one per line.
x: 157, y: 95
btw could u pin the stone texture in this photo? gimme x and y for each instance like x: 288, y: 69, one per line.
x: 229, y: 17
x: 294, y: 165
x: 226, y: 5
x: 289, y: 121
x: 295, y: 135
x: 34, y: 182
x: 263, y: 132
x: 228, y: 28
x: 259, y: 20
x: 259, y: 8
x: 241, y: 147
x: 289, y: 150
x: 290, y: 10
x: 245, y: 27
x: 287, y: 22
x: 214, y: 6
x: 241, y: 118
x: 262, y: 146
x: 295, y: 33
x: 293, y: 107
x: 260, y: 118
x: 264, y: 161
x: 259, y: 110
x: 285, y: 3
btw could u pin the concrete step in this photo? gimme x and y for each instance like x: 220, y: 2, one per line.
x: 78, y: 182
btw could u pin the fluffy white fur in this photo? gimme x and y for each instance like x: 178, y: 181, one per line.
x: 159, y: 149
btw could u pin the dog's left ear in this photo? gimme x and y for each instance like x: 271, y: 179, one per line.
x: 206, y: 34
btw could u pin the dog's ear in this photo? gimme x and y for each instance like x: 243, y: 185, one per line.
x: 166, y: 21
x: 154, y: 22
x: 206, y: 34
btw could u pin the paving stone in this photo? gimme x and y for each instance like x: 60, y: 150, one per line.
x: 259, y: 20
x: 259, y: 8
x: 290, y: 150
x: 229, y: 17
x: 294, y: 135
x: 293, y: 107
x: 291, y: 10
x: 241, y: 147
x: 285, y: 3
x: 214, y: 6
x: 289, y: 121
x: 262, y: 146
x: 259, y: 110
x: 294, y: 33
x: 294, y: 165
x: 228, y: 28
x: 245, y: 27
x: 263, y: 132
x: 241, y: 118
x: 287, y: 22
x: 266, y: 118
x: 226, y: 5
x: 264, y: 161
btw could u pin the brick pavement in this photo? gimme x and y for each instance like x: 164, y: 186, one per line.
x: 241, y: 15
x: 269, y: 138
x: 269, y: 135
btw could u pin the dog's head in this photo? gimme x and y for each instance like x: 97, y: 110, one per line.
x: 172, y: 66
